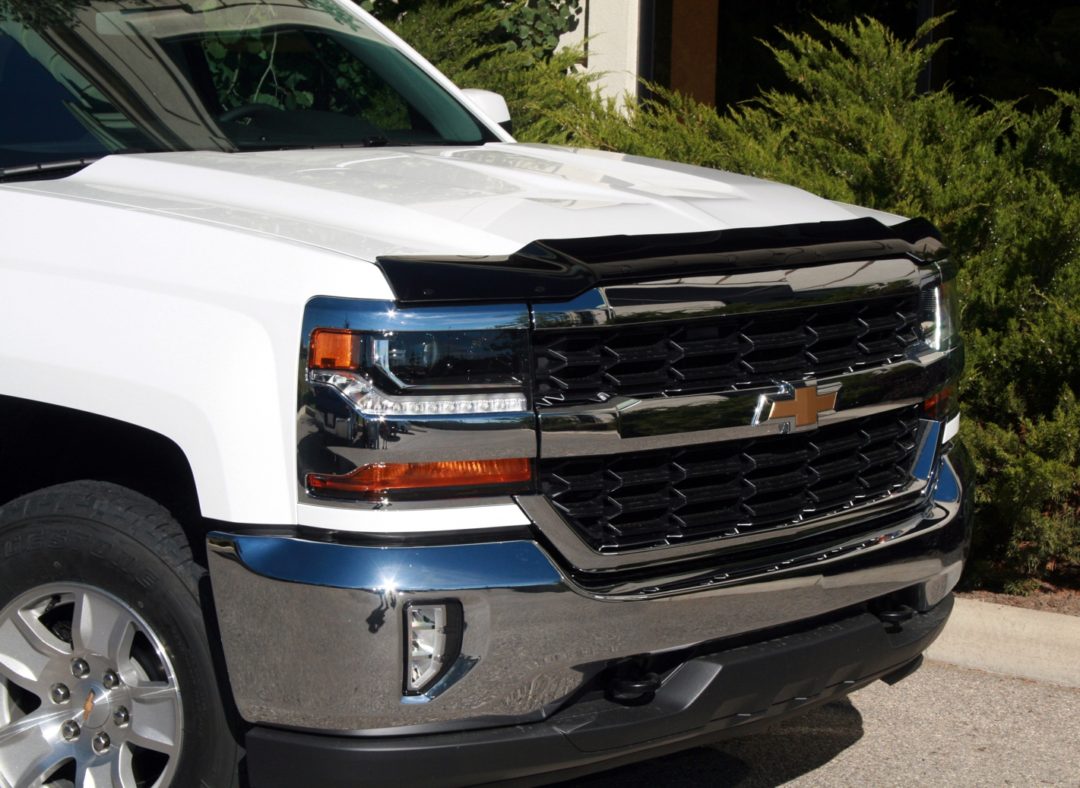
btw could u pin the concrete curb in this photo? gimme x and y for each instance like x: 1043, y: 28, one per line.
x: 1013, y: 641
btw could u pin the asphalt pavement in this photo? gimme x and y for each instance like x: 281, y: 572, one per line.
x: 943, y: 726
x: 997, y: 703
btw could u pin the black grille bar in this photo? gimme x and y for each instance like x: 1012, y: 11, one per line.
x: 633, y: 501
x: 581, y: 365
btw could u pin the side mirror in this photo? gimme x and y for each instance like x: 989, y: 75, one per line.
x: 492, y: 105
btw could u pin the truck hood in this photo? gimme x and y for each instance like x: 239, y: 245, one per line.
x: 488, y: 200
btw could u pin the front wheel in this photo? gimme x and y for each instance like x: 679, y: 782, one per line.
x: 106, y: 677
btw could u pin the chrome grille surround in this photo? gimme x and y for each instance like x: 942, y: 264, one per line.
x: 662, y: 467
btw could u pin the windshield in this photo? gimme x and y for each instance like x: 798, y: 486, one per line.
x: 82, y: 79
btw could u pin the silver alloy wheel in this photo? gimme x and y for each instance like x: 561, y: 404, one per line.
x: 88, y: 694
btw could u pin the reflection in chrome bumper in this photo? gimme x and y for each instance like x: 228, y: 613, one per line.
x: 714, y: 695
x: 312, y: 631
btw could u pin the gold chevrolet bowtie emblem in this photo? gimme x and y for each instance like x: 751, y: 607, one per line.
x: 799, y: 406
x: 88, y: 707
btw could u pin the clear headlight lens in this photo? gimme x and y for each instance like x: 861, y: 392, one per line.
x: 937, y: 315
x: 423, y: 372
x: 448, y: 358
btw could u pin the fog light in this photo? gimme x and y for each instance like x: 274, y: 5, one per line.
x: 432, y: 642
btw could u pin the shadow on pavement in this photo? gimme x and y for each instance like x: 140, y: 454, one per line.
x: 792, y: 749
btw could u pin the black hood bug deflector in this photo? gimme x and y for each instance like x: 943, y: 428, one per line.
x: 561, y: 269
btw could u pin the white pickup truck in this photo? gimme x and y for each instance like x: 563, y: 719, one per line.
x: 345, y: 441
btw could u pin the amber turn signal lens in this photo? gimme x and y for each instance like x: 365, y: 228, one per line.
x: 334, y: 349
x: 380, y: 478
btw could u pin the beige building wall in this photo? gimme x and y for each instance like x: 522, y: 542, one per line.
x: 611, y: 28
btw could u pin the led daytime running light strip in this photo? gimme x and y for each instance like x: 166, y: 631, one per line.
x: 369, y: 400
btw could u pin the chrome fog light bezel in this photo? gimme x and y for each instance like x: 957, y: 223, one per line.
x: 432, y: 642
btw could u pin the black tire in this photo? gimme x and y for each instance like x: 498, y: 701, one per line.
x: 108, y: 538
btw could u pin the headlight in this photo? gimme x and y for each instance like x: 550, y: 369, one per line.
x: 938, y: 320
x: 413, y: 403
x: 445, y: 373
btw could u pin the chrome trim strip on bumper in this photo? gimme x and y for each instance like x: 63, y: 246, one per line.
x: 388, y: 570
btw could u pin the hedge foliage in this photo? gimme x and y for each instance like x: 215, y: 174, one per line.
x: 1001, y: 184
x: 532, y: 25
x: 469, y: 42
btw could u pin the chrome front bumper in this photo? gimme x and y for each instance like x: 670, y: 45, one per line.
x: 313, y: 632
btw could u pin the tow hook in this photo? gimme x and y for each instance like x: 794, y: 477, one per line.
x: 637, y: 688
x: 894, y: 618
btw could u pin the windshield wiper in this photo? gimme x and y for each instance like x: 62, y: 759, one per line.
x: 30, y: 171
x: 370, y: 141
x: 373, y: 141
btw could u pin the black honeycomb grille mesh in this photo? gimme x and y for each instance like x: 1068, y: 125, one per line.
x: 590, y: 365
x: 630, y: 501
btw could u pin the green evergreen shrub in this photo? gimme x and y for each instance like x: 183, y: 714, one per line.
x: 469, y: 42
x: 534, y: 25
x: 1002, y: 185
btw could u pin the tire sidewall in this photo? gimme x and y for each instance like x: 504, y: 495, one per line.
x: 40, y: 550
